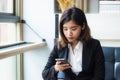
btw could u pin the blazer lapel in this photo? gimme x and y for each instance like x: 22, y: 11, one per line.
x: 85, y: 57
x: 64, y: 53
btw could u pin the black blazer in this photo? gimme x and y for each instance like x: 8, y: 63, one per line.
x: 93, y: 66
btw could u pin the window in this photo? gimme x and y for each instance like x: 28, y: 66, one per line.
x: 6, y: 6
x: 7, y: 33
x: 10, y: 33
x: 8, y: 68
x: 109, y: 6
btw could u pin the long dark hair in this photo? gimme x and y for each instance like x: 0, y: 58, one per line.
x: 78, y: 16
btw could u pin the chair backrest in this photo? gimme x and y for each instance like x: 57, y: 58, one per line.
x: 109, y: 62
x: 112, y: 63
x: 117, y: 64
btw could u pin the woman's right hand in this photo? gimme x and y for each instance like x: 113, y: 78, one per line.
x: 60, y: 67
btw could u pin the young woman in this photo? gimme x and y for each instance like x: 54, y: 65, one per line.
x: 83, y: 53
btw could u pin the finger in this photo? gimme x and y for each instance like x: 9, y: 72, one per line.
x: 58, y: 62
x: 66, y: 66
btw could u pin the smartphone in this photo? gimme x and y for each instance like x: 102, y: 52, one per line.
x: 63, y: 61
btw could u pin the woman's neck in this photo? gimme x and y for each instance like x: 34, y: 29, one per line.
x: 74, y: 44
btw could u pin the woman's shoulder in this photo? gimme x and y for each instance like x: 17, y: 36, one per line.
x: 93, y: 41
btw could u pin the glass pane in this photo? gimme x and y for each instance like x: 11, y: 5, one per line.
x: 7, y: 33
x: 8, y: 65
x: 6, y: 6
x: 8, y: 68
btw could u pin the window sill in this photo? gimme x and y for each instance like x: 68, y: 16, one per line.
x: 20, y: 48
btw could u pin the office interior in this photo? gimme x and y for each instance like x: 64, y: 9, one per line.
x: 30, y: 26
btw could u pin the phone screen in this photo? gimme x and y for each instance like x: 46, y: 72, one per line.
x: 63, y: 61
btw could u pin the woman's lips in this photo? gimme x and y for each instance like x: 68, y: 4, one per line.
x: 70, y: 37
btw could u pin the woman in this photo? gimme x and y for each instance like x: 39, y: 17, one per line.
x: 76, y: 45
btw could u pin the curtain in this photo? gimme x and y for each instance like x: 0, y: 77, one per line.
x: 82, y: 4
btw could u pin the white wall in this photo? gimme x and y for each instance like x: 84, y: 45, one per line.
x: 105, y: 27
x: 39, y: 14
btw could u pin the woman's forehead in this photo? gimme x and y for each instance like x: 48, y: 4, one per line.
x: 70, y: 23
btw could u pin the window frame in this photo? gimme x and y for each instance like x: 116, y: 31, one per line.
x: 15, y: 18
x: 8, y: 17
x: 12, y: 17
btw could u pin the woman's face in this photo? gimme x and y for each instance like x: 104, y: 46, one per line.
x: 71, y: 31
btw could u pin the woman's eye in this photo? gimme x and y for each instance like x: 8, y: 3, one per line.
x: 74, y: 29
x: 65, y: 29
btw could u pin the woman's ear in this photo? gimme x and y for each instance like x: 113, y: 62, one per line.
x: 83, y: 27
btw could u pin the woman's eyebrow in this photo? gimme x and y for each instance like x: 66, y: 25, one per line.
x: 71, y: 26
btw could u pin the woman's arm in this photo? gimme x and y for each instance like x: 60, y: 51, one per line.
x: 49, y: 71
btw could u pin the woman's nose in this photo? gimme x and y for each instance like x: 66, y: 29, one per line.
x: 69, y: 32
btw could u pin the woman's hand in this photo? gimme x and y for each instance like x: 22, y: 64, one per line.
x: 60, y: 67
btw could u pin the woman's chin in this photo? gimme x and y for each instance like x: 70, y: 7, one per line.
x: 70, y: 41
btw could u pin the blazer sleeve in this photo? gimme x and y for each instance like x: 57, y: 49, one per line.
x: 48, y: 72
x: 99, y: 69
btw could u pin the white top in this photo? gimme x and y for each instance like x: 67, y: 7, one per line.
x: 75, y: 57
